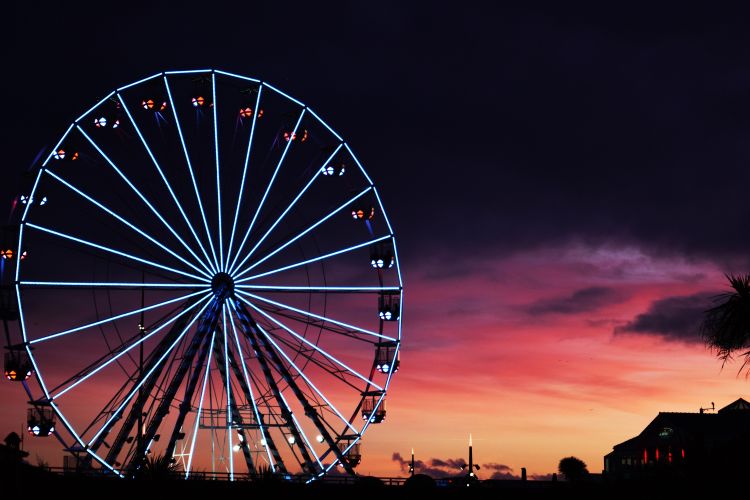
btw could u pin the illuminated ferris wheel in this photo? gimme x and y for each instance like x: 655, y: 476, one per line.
x: 209, y: 277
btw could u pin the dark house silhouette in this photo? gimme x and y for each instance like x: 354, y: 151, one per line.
x: 686, y: 443
x: 11, y: 451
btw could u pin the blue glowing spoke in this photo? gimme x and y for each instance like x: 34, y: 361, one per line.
x: 169, y: 188
x: 312, y: 345
x: 111, y: 284
x: 192, y: 174
x: 273, y: 226
x: 187, y: 72
x: 252, y: 396
x: 316, y: 259
x: 142, y: 80
x: 325, y: 125
x: 218, y: 187
x: 92, y: 108
x: 51, y: 154
x: 300, y: 235
x: 145, y: 378
x: 130, y: 225
x: 200, y: 406
x: 307, y: 380
x: 244, y: 173
x: 113, y: 251
x: 390, y: 230
x: 139, y: 342
x: 317, y: 316
x: 229, y: 393
x: 361, y: 168
x: 268, y: 189
x: 286, y: 405
x: 135, y: 190
x: 114, y: 318
x: 283, y: 94
x: 233, y: 75
x: 322, y: 289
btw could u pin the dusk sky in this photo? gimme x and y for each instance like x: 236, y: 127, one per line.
x: 567, y: 187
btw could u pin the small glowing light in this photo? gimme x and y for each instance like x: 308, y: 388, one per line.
x: 74, y: 157
x: 198, y: 101
x: 291, y: 439
x: 471, y: 474
x: 100, y: 122
x: 116, y: 124
x: 246, y: 112
x: 241, y: 438
x: 59, y: 155
x: 148, y: 104
x: 386, y: 367
x: 319, y: 438
x: 44, y: 201
x: 236, y: 448
x: 263, y: 442
x: 328, y: 170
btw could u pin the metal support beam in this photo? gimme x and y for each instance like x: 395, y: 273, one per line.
x: 249, y: 328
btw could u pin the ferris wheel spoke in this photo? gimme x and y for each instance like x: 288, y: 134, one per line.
x: 310, y: 344
x: 265, y: 194
x: 137, y: 192
x: 307, y: 380
x: 319, y: 361
x: 169, y: 188
x: 310, y: 411
x: 218, y: 194
x: 192, y: 173
x: 288, y: 208
x: 283, y: 306
x: 208, y: 323
x: 118, y: 352
x: 114, y: 318
x: 316, y: 259
x: 147, y: 376
x: 303, y: 233
x: 127, y: 223
x: 110, y: 284
x: 258, y: 343
x: 115, y: 252
x: 200, y: 406
x: 247, y: 388
x: 244, y: 173
x: 321, y: 289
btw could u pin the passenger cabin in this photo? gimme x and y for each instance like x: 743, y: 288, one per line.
x: 40, y: 421
x: 17, y: 367
x: 387, y: 358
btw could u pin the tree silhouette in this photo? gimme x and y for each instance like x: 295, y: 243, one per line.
x: 573, y: 469
x: 726, y: 326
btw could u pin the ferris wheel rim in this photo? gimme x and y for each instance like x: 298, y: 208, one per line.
x: 216, y: 264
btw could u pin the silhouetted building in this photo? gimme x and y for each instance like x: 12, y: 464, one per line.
x: 11, y: 451
x: 678, y: 443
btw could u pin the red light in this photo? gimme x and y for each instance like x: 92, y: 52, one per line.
x: 657, y: 454
x: 683, y: 452
x: 148, y: 104
x: 645, y: 456
x: 246, y: 112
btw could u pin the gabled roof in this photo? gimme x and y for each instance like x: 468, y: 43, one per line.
x: 739, y: 405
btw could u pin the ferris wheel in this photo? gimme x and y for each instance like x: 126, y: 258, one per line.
x: 209, y: 276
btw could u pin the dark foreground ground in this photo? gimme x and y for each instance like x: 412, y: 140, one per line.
x: 32, y: 483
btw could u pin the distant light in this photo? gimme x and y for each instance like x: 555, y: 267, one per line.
x: 100, y: 122
x: 198, y: 101
x: 291, y: 439
x: 236, y: 448
x: 241, y: 438
x: 319, y: 438
x: 263, y: 442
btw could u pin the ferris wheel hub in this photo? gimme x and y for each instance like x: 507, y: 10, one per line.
x: 222, y: 285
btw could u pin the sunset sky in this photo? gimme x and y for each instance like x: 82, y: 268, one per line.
x: 567, y: 189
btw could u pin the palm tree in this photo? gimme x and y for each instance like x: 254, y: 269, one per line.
x: 726, y: 326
